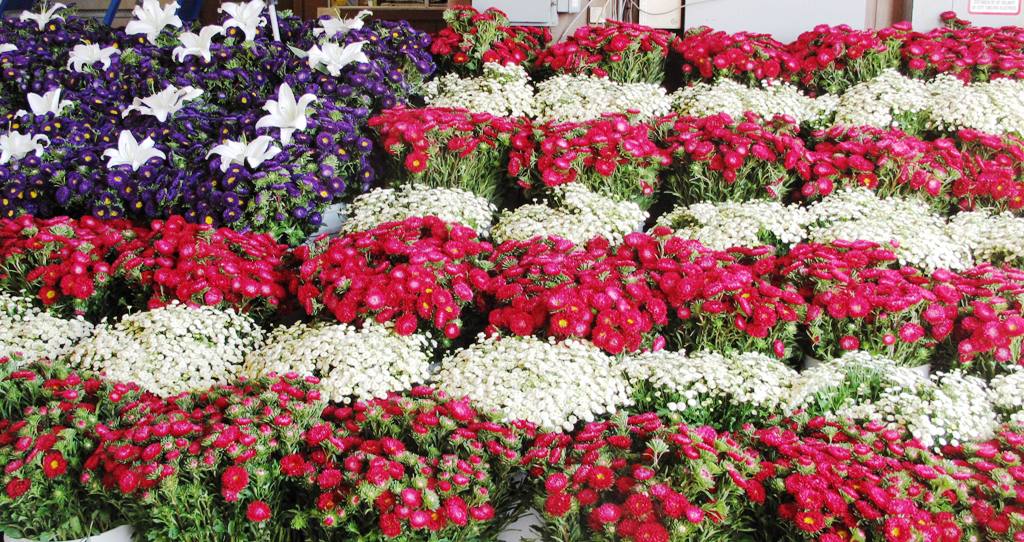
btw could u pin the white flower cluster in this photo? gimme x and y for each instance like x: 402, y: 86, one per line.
x: 994, y: 107
x: 1007, y: 394
x: 918, y: 235
x: 35, y: 334
x: 170, y: 350
x: 578, y: 98
x: 720, y: 226
x: 948, y: 409
x: 503, y: 91
x: 735, y: 99
x: 553, y: 384
x: 706, y: 380
x: 883, y: 102
x: 944, y: 103
x: 996, y: 238
x: 352, y: 364
x: 394, y: 204
x: 572, y: 212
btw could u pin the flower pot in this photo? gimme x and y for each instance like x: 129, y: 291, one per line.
x: 333, y: 218
x: 521, y: 528
x: 117, y: 534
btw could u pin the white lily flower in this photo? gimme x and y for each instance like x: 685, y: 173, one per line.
x: 85, y: 55
x: 164, y: 103
x: 151, y: 18
x: 130, y: 152
x: 15, y: 145
x: 7, y: 48
x: 47, y: 103
x: 246, y: 16
x: 285, y: 113
x: 333, y: 26
x: 196, y: 44
x: 255, y: 152
x: 335, y: 57
x: 44, y: 17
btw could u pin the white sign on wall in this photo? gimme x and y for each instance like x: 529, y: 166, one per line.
x: 994, y: 7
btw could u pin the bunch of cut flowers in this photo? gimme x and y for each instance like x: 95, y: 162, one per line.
x: 472, y: 38
x: 170, y: 350
x: 573, y: 212
x: 351, y: 364
x: 719, y: 158
x: 989, y: 334
x: 859, y: 299
x: 64, y: 263
x: 198, y: 265
x: 834, y: 58
x: 709, y: 388
x: 32, y: 334
x: 613, y: 156
x: 555, y: 385
x: 382, y: 205
x: 623, y: 52
x: 502, y: 91
x: 579, y: 98
x: 729, y: 224
x: 746, y: 57
x: 420, y: 273
x: 454, y: 148
x: 549, y: 286
x: 635, y: 479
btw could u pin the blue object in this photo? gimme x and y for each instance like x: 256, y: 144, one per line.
x: 188, y: 10
x: 108, y: 17
x: 18, y: 5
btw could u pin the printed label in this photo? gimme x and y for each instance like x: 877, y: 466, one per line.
x: 994, y: 7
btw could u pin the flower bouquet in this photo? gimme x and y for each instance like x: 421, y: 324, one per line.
x: 419, y: 467
x: 731, y: 302
x: 729, y: 224
x: 903, y: 491
x: 772, y: 99
x: 453, y: 148
x: 613, y: 156
x: 473, y: 38
x: 65, y: 263
x: 708, y: 388
x: 351, y: 364
x: 834, y: 58
x: 383, y: 205
x: 718, y: 158
x: 31, y: 334
x: 948, y: 409
x: 420, y: 274
x: 860, y: 300
x: 550, y: 287
x: 634, y: 479
x: 623, y: 52
x: 502, y: 91
x: 44, y: 449
x: 994, y: 470
x: 993, y: 177
x: 970, y: 53
x: 580, y: 98
x: 989, y: 334
x: 571, y: 212
x: 886, y: 161
x: 746, y: 57
x: 170, y: 350
x: 203, y: 266
x: 553, y: 385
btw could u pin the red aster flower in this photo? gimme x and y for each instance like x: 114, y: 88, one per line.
x: 54, y: 465
x: 898, y: 529
x: 390, y: 525
x: 416, y: 162
x: 17, y: 487
x: 638, y: 505
x: 293, y: 465
x: 257, y: 512
x: 650, y: 532
x: 601, y: 478
x: 810, y: 522
x: 556, y: 482
x: 558, y: 504
x: 234, y: 479
x: 329, y: 478
x: 607, y: 513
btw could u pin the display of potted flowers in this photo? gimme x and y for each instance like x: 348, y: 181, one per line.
x: 473, y: 38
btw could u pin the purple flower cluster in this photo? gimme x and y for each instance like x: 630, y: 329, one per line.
x: 285, y: 193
